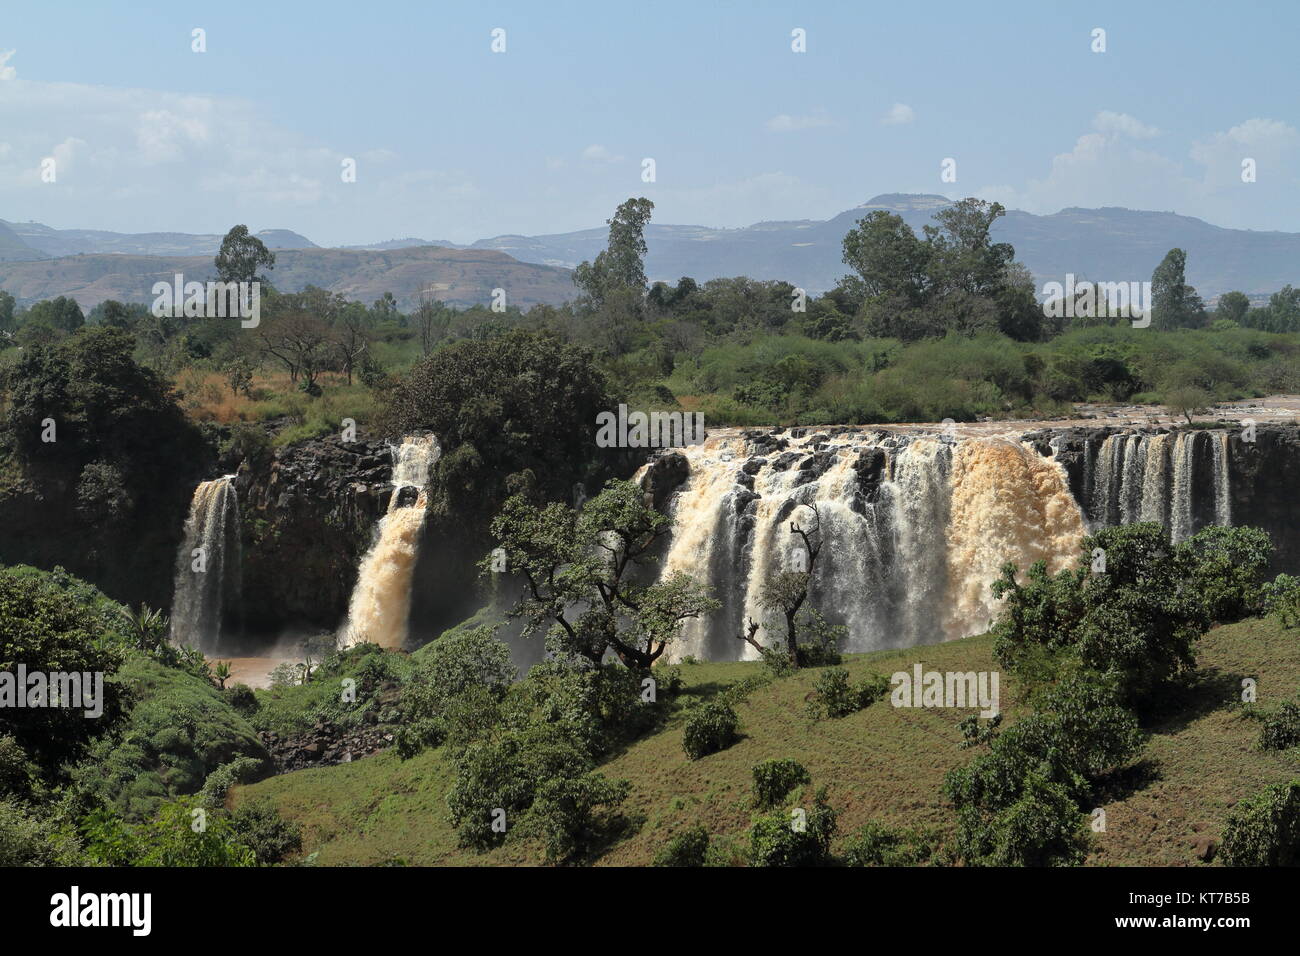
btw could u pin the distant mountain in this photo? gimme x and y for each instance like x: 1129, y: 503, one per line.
x: 461, y: 277
x: 52, y: 243
x: 1109, y: 244
x: 12, y: 247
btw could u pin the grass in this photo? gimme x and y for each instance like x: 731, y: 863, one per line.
x: 882, y: 763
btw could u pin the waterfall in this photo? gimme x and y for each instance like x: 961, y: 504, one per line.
x: 207, y: 567
x: 1008, y: 504
x: 1162, y: 478
x: 907, y: 560
x: 380, y: 606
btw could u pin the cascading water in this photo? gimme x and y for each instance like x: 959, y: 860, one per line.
x: 380, y: 606
x: 1163, y: 478
x: 906, y: 559
x: 207, y: 567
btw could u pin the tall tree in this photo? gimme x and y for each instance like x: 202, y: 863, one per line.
x: 1174, y: 304
x: 622, y: 265
x: 241, y: 255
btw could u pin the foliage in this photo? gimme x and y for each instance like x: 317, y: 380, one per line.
x: 775, y: 778
x: 1018, y: 804
x: 800, y: 838
x: 1139, y: 619
x: 258, y: 825
x: 565, y: 813
x: 876, y: 844
x: 1264, y: 828
x: 1282, y: 599
x: 181, y: 834
x: 690, y: 848
x: 710, y: 727
x: 834, y: 696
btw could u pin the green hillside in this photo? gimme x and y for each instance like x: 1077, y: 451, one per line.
x: 881, y: 763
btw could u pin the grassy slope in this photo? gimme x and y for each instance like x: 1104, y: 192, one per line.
x: 882, y: 763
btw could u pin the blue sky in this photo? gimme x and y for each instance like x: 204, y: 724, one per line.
x: 455, y: 142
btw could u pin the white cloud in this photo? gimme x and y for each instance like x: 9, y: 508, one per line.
x: 1108, y: 167
x: 596, y: 153
x: 7, y: 72
x: 1121, y: 124
x: 899, y: 114
x: 785, y: 123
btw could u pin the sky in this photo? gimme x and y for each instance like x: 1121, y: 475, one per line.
x: 451, y: 140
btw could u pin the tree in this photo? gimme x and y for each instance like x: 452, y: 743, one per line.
x: 241, y: 255
x: 352, y: 338
x: 578, y: 570
x: 622, y: 264
x: 1174, y: 304
x: 63, y: 314
x: 432, y: 320
x: 302, y: 343
x: 889, y: 259
x: 1233, y: 306
x: 786, y: 590
x: 1188, y: 400
x: 6, y: 311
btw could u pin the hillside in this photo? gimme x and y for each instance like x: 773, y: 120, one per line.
x: 458, y: 277
x: 883, y: 763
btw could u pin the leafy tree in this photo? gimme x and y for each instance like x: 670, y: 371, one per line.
x: 1174, y: 304
x: 6, y: 311
x: 578, y: 569
x: 1233, y: 306
x: 1019, y: 803
x: 1139, y: 618
x: 690, y: 848
x: 62, y: 314
x: 775, y: 778
x: 241, y: 255
x: 622, y: 264
x: 1264, y: 828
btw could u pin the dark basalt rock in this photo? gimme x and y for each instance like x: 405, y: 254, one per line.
x: 666, y: 473
x: 871, y: 467
x: 308, y: 515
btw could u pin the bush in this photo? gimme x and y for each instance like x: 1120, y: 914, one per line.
x: 834, y: 696
x: 565, y: 814
x: 1282, y: 730
x: 1282, y: 600
x: 172, y: 838
x: 32, y: 840
x: 879, y: 845
x: 1226, y: 566
x: 259, y: 826
x: 773, y: 779
x: 801, y: 838
x: 1264, y: 829
x: 219, y: 782
x: 1139, y: 619
x: 242, y: 698
x: 688, y: 848
x: 1019, y: 803
x: 710, y: 728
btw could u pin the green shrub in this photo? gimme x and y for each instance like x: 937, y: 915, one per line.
x: 259, y: 826
x: 29, y: 838
x: 1226, y: 567
x: 775, y: 778
x: 1281, y: 731
x: 1019, y: 803
x: 834, y: 696
x: 565, y: 816
x: 182, y: 834
x: 799, y: 838
x: 219, y: 782
x: 1264, y: 828
x: 711, y: 727
x: 879, y: 845
x: 1282, y: 599
x: 688, y: 848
